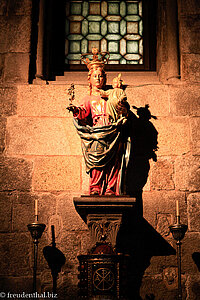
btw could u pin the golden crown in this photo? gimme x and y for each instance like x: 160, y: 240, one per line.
x: 99, y: 59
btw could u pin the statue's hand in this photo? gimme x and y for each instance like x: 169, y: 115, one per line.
x: 123, y: 108
x: 73, y: 108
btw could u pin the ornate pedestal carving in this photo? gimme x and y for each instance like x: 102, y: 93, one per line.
x: 101, y: 269
x: 104, y: 228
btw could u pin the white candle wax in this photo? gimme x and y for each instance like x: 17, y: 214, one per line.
x: 177, y: 208
x: 36, y: 207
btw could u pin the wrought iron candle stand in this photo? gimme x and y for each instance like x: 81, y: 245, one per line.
x: 36, y: 229
x: 178, y: 231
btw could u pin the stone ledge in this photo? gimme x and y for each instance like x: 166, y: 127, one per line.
x: 103, y: 204
x: 129, y: 78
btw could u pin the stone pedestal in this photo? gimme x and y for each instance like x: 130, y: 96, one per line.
x: 102, y: 268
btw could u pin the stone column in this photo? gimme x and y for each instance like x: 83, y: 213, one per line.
x: 39, y: 60
x: 172, y: 40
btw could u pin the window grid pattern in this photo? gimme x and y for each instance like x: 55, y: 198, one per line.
x: 114, y: 26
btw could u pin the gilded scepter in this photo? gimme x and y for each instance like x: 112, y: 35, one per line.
x: 71, y: 93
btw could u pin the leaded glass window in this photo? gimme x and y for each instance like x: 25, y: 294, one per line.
x: 114, y: 26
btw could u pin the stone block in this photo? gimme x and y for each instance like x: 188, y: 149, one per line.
x: 54, y: 224
x: 12, y: 284
x: 16, y: 67
x: 163, y: 203
x: 15, y: 174
x: 155, y: 287
x: 162, y: 175
x: 66, y: 290
x: 2, y: 67
x: 42, y: 136
x: 18, y: 34
x: 190, y: 245
x: 147, y: 186
x: 173, y: 136
x: 195, y: 135
x: 46, y: 211
x: 189, y: 7
x: 70, y: 245
x: 187, y: 173
x: 47, y: 100
x: 57, y: 173
x: 163, y: 220
x: 6, y: 200
x: 185, y: 101
x: 190, y: 34
x: 155, y: 95
x: 193, y: 202
x: 23, y: 211
x: 86, y: 244
x: 190, y: 68
x: 3, y: 7
x: 193, y: 285
x: 3, y: 34
x: 8, y: 101
x: 19, y: 7
x: 70, y: 218
x: 15, y: 251
x: 2, y: 134
x: 159, y: 264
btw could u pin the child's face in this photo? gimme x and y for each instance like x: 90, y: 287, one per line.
x: 116, y: 84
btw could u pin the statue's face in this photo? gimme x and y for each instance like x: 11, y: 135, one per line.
x: 116, y: 83
x: 97, y: 79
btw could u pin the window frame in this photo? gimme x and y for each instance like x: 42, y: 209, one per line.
x: 52, y: 22
x: 149, y: 8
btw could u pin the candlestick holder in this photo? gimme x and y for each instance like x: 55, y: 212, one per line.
x: 36, y: 229
x: 178, y: 231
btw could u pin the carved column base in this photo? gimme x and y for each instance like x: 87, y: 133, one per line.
x: 103, y: 229
x: 103, y: 215
x: 103, y: 271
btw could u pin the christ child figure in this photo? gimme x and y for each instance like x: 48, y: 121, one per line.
x: 116, y: 96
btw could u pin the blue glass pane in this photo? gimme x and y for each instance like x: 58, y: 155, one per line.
x: 84, y: 27
x: 94, y: 27
x: 74, y: 47
x: 75, y: 37
x: 85, y: 8
x: 94, y: 37
x: 104, y: 27
x: 84, y: 46
x: 132, y: 8
x: 113, y: 37
x: 74, y: 56
x: 94, y: 18
x: 132, y: 47
x: 113, y: 8
x: 123, y: 27
x: 115, y: 56
x: 123, y: 8
x: 113, y: 47
x: 113, y: 27
x: 75, y: 8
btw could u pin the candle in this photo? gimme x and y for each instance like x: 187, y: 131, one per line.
x: 36, y: 210
x: 177, y: 208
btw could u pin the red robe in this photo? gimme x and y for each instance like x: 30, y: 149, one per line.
x: 103, y: 180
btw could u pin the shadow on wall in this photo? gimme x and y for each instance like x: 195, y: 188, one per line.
x: 137, y: 238
x: 144, y: 144
x: 140, y: 242
x: 196, y: 258
x: 64, y: 289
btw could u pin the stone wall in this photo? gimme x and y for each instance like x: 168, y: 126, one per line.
x: 41, y: 159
